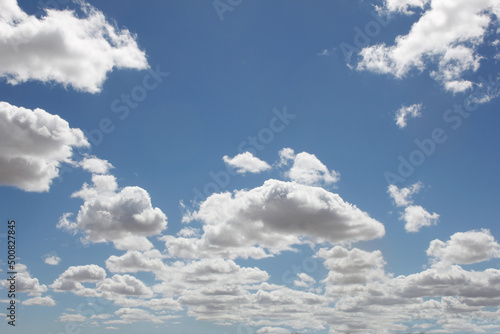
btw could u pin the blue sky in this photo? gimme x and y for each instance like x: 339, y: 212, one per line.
x: 251, y: 166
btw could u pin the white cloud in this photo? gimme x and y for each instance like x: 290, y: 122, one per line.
x: 355, y: 296
x: 404, y: 5
x: 304, y: 280
x: 71, y: 278
x: 417, y: 217
x: 274, y: 216
x: 308, y: 169
x: 458, y: 86
x: 286, y: 154
x: 123, y: 285
x: 402, y: 197
x: 33, y: 144
x: 134, y: 261
x: 447, y: 36
x: 95, y: 165
x: 246, y: 163
x: 72, y: 48
x: 42, y: 301
x: 72, y: 317
x: 125, y: 217
x: 407, y: 111
x: 466, y: 247
x: 24, y: 282
x: 273, y: 330
x: 137, y: 315
x: 209, y: 277
x: 52, y: 260
x: 348, y: 268
x: 188, y: 232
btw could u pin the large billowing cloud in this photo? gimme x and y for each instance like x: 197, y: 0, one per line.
x: 122, y: 216
x: 63, y: 46
x: 444, y: 298
x: 355, y: 295
x: 33, y: 144
x: 445, y: 39
x: 274, y: 216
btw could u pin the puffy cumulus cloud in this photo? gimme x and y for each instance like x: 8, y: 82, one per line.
x: 73, y: 277
x: 274, y: 216
x: 134, y: 261
x: 355, y: 295
x: 350, y: 268
x: 246, y: 163
x: 212, y: 274
x: 64, y: 46
x: 95, y: 165
x: 53, y: 260
x: 445, y: 296
x: 402, y: 197
x: 471, y: 287
x: 33, y: 144
x: 466, y: 247
x: 125, y: 285
x: 124, y: 217
x: 42, y: 301
x: 208, y: 288
x: 405, y: 112
x: 267, y: 305
x: 24, y: 282
x: 308, y: 169
x: 416, y: 217
x: 446, y: 36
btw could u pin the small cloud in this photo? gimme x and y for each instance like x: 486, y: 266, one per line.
x: 402, y: 197
x: 52, y: 260
x: 325, y: 52
x: 308, y: 169
x: 246, y: 163
x: 405, y: 112
x: 286, y: 154
x: 72, y: 317
x: 417, y: 217
x: 95, y: 165
x: 42, y: 301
